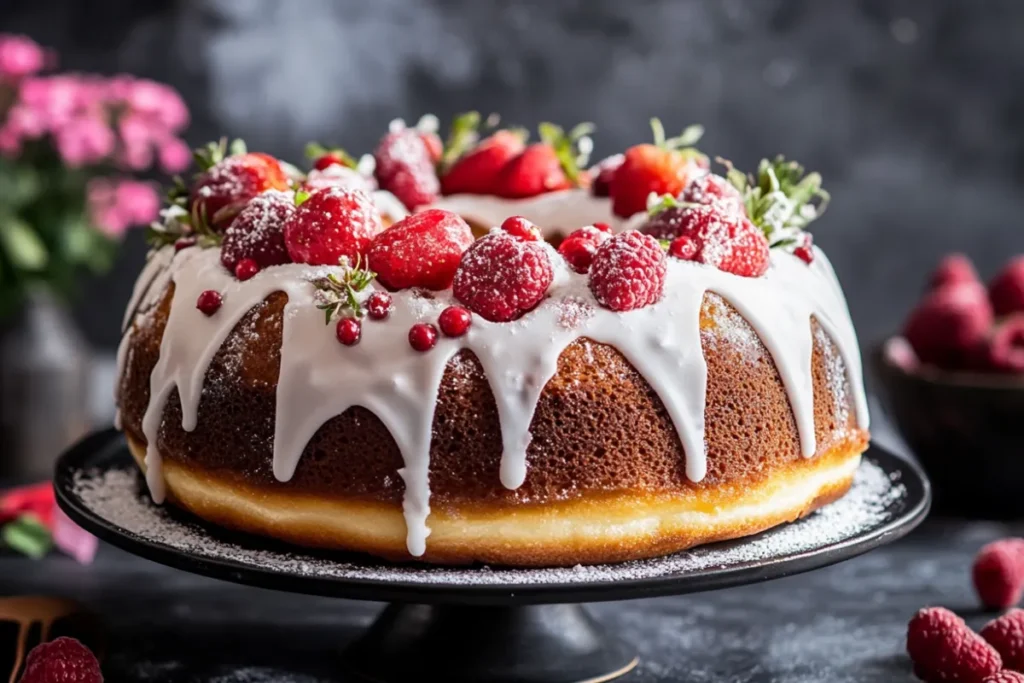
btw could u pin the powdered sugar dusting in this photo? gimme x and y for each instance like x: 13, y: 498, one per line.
x: 118, y: 496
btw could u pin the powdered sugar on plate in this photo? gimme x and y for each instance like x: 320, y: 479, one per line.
x: 118, y: 496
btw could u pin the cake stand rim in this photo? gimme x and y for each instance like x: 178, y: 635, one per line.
x: 919, y: 499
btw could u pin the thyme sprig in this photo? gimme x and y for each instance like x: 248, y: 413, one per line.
x: 340, y: 291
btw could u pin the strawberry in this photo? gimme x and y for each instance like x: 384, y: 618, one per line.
x: 421, y: 250
x: 230, y: 180
x: 547, y: 166
x: 602, y: 173
x: 331, y: 224
x: 468, y: 169
x: 405, y: 168
x: 664, y: 168
x: 706, y: 233
x: 323, y: 158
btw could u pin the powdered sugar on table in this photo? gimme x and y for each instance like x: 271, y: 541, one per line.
x: 119, y: 497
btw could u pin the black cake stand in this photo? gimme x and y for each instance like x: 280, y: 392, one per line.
x: 479, y: 624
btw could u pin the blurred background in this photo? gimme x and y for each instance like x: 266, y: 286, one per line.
x: 909, y: 108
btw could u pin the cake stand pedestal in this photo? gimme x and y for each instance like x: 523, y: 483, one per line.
x: 480, y: 624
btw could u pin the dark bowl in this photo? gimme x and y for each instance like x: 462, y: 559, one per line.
x: 967, y: 431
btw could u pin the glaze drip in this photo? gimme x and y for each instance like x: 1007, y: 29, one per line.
x: 320, y: 378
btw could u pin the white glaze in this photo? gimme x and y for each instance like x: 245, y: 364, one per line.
x: 562, y: 211
x: 320, y: 378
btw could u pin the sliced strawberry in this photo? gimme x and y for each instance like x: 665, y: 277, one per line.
x: 547, y: 166
x: 536, y: 171
x: 331, y: 224
x: 421, y: 250
x: 476, y: 171
x: 229, y: 182
x: 665, y: 167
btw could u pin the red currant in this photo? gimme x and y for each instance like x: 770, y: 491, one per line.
x: 246, y: 268
x: 422, y: 336
x: 455, y: 320
x: 349, y: 330
x: 519, y: 227
x: 378, y: 306
x: 684, y: 247
x: 209, y: 301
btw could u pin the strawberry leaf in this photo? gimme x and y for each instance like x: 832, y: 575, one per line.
x: 463, y: 134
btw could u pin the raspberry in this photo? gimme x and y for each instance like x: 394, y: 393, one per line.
x: 949, y: 325
x: 714, y: 189
x: 246, y: 268
x: 727, y: 241
x: 519, y: 227
x: 944, y: 648
x: 1005, y: 676
x: 455, y: 321
x: 1004, y: 351
x: 209, y: 301
x: 257, y: 232
x: 422, y: 336
x: 602, y: 173
x: 332, y: 223
x: 998, y: 573
x: 1006, y: 635
x: 378, y: 305
x: 421, y: 250
x: 603, y: 227
x: 501, y: 277
x: 1007, y: 288
x: 348, y: 331
x: 63, y: 660
x: 628, y: 271
x: 953, y: 269
x: 405, y: 168
x: 804, y: 250
x: 579, y: 247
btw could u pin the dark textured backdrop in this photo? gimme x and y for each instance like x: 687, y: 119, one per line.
x: 909, y: 108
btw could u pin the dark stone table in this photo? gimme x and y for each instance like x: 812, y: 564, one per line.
x: 843, y: 624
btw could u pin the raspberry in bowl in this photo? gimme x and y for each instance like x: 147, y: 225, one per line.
x: 953, y: 382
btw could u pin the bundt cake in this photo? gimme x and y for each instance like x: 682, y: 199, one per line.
x: 386, y: 356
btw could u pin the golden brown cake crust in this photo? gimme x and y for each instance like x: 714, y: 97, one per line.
x: 599, y: 433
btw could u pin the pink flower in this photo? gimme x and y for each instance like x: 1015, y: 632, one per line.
x: 138, y: 201
x: 116, y: 205
x: 26, y: 122
x: 10, y: 142
x: 175, y: 155
x: 158, y: 102
x: 19, y: 57
x: 137, y: 138
x: 84, y: 141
